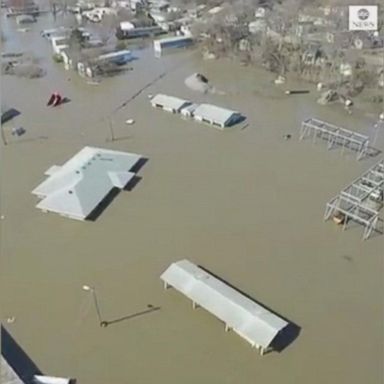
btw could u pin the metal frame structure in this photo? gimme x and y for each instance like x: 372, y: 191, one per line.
x: 335, y: 135
x: 361, y: 201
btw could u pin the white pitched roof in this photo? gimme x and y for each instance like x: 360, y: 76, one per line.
x: 77, y: 187
x: 213, y: 113
x: 250, y: 320
x: 169, y: 102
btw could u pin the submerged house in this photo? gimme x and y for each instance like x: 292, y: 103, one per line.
x: 169, y: 103
x: 218, y: 116
x: 250, y: 320
x: 76, y: 188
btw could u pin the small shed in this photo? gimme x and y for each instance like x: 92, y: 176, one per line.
x: 169, y: 103
x: 218, y: 116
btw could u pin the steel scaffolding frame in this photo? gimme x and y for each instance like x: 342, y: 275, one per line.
x: 361, y: 200
x: 335, y: 136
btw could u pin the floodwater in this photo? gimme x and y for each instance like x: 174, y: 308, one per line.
x: 243, y: 203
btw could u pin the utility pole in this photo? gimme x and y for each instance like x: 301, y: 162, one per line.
x: 110, y: 123
x: 3, y: 135
x: 379, y: 125
x: 96, y: 302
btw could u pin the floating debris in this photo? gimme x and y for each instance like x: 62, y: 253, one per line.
x: 296, y: 92
x: 18, y: 131
x: 329, y: 96
x: 280, y: 80
x: 93, y: 82
x: 11, y: 319
x: 197, y: 82
x: 129, y: 121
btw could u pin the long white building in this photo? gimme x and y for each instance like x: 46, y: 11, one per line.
x: 169, y: 103
x: 217, y: 116
x: 76, y: 188
x: 250, y: 320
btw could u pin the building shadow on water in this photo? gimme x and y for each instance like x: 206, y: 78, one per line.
x: 240, y: 119
x: 140, y: 164
x: 65, y: 100
x: 285, y: 337
x: 100, y: 208
x: 17, y: 358
x: 150, y: 309
x: 132, y: 183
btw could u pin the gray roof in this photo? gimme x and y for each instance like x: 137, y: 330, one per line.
x: 77, y: 187
x: 250, y: 320
x: 169, y: 102
x: 213, y: 113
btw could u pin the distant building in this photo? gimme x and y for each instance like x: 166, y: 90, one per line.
x: 169, y: 103
x: 128, y: 30
x: 76, y: 188
x: 104, y: 63
x: 217, y: 116
x: 25, y: 19
x: 22, y: 7
x: 172, y: 42
x: 59, y: 44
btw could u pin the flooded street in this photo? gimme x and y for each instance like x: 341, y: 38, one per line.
x: 244, y: 203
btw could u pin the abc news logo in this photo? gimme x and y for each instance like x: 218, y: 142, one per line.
x: 363, y: 18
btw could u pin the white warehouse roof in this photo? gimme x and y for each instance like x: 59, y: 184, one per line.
x: 169, y: 103
x: 77, y: 187
x: 250, y: 320
x: 215, y: 115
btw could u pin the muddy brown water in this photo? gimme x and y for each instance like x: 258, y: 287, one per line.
x: 244, y: 203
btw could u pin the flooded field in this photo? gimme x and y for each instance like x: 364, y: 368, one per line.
x: 244, y: 203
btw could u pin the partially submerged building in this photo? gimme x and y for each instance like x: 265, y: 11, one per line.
x: 169, y: 103
x: 25, y: 19
x: 250, y: 320
x: 102, y: 64
x: 218, y: 116
x: 127, y: 30
x: 172, y: 42
x: 207, y: 113
x: 25, y: 7
x: 76, y: 188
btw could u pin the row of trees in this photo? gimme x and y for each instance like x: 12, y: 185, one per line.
x: 276, y: 46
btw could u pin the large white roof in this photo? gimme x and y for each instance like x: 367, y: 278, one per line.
x: 250, y: 320
x: 213, y: 113
x: 78, y: 186
x: 169, y: 102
